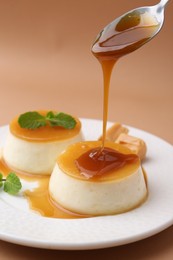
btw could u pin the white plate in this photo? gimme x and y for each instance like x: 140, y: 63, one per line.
x: 18, y: 224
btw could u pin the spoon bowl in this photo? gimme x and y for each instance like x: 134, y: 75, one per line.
x: 129, y: 32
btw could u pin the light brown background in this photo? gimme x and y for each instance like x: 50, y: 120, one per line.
x: 46, y: 63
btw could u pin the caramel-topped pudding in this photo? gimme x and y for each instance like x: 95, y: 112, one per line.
x: 113, y: 182
x: 35, y: 150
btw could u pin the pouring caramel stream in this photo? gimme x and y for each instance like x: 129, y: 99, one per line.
x: 122, y: 36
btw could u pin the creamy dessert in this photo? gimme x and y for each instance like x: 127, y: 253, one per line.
x: 117, y: 187
x: 34, y: 150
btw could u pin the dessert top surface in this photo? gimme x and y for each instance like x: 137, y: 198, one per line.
x: 66, y: 162
x: 44, y: 134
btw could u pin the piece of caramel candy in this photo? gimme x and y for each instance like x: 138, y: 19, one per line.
x: 136, y: 145
x: 114, y: 131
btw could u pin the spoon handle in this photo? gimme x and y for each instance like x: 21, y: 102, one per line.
x: 163, y: 2
x: 160, y: 6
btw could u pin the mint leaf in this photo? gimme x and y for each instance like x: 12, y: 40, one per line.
x: 31, y: 120
x: 61, y: 119
x: 50, y: 115
x: 12, y: 184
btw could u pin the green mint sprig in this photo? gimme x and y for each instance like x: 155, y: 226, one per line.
x: 34, y: 120
x: 12, y: 184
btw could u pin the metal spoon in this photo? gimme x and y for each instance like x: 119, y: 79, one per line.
x: 130, y: 31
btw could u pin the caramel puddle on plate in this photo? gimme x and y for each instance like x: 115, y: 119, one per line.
x: 38, y: 198
x: 40, y: 201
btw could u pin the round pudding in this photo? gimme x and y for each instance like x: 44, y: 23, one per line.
x: 115, y: 191
x: 35, y: 150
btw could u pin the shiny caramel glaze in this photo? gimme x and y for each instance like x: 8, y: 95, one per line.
x: 67, y: 162
x: 98, y: 161
x: 44, y: 134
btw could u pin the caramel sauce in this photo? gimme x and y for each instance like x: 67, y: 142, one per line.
x: 39, y: 199
x: 122, y: 36
x: 100, y: 161
x: 67, y: 162
x: 44, y: 134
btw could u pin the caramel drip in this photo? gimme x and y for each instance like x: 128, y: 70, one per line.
x: 107, y: 67
x: 122, y: 36
x: 40, y: 201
